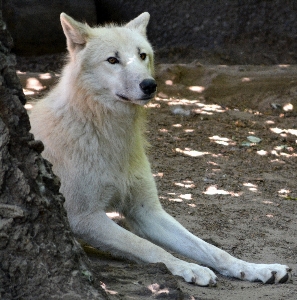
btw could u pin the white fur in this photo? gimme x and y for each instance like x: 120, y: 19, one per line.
x: 95, y: 140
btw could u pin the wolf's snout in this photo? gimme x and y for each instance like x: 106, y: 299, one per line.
x: 148, y: 86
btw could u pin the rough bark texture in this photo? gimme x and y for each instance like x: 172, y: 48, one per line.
x: 39, y: 258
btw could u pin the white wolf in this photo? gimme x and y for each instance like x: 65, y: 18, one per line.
x: 92, y: 125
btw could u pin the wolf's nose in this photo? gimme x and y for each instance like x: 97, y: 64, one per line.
x: 148, y: 86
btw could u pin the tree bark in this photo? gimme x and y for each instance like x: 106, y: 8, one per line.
x: 39, y: 258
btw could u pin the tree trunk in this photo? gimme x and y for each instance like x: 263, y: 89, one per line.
x: 39, y: 258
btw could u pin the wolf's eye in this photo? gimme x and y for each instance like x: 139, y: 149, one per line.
x: 113, y: 60
x: 142, y: 56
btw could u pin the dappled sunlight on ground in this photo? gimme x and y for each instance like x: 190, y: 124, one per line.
x: 252, y: 187
x: 173, y: 197
x: 105, y: 288
x: 213, y: 190
x: 247, y: 136
x: 35, y: 85
x: 197, y: 89
x: 187, y: 106
x: 283, y: 132
x: 176, y: 197
x: 284, y: 193
x: 222, y: 140
x: 262, y: 152
x: 277, y: 151
x: 188, y: 184
x: 158, y: 175
x: 196, y: 106
x: 28, y: 106
x: 158, y: 291
x: 191, y: 152
x: 269, y: 216
x: 246, y: 79
x: 268, y: 202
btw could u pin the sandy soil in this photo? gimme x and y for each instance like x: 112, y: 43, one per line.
x: 236, y: 193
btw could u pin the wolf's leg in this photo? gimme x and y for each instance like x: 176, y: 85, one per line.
x: 150, y: 221
x: 101, y: 232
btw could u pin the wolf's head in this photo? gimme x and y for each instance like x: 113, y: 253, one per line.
x: 113, y: 62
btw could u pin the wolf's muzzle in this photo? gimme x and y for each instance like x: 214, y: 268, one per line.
x: 148, y: 86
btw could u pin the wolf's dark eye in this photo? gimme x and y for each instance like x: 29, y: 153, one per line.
x: 113, y: 60
x: 142, y: 56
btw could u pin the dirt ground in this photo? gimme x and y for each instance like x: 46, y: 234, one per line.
x: 224, y: 156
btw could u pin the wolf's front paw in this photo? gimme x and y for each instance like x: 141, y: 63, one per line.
x: 194, y: 273
x: 269, y: 274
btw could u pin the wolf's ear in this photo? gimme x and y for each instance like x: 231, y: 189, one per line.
x: 140, y: 23
x: 75, y: 32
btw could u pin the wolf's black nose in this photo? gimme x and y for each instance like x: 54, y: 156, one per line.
x: 148, y: 86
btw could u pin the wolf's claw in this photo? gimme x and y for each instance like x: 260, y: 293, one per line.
x: 271, y: 280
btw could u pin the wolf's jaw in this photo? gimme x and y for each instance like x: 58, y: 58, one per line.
x: 123, y: 98
x: 144, y: 99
